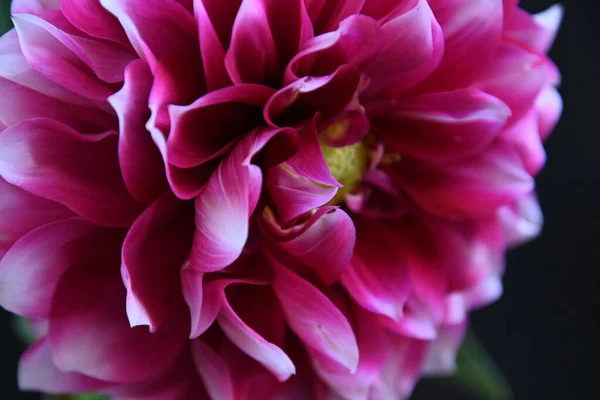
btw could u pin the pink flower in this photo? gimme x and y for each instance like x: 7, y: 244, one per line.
x: 264, y: 199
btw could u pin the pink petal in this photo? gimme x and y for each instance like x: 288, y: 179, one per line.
x: 442, y: 126
x: 38, y: 372
x: 471, y: 187
x: 378, y: 275
x: 549, y: 107
x: 516, y: 77
x: 89, y: 332
x: 384, y: 10
x: 356, y: 40
x: 203, y: 300
x: 213, y: 371
x: 294, y: 195
x: 225, y: 205
x: 34, y: 7
x: 413, y: 48
x: 205, y: 129
x: 222, y: 15
x: 522, y: 221
x: 524, y: 135
x: 252, y: 56
x: 441, y: 354
x: 93, y: 19
x: 536, y: 32
x: 42, y: 46
x: 140, y: 160
x: 472, y: 31
x: 20, y: 103
x: 315, y: 319
x: 327, y: 15
x: 156, y: 247
x: 251, y: 342
x: 50, y: 160
x: 374, y: 349
x: 34, y: 265
x: 327, y: 96
x: 326, y: 246
x: 22, y: 212
x: 212, y: 50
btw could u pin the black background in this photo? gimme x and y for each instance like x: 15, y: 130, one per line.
x: 545, y: 331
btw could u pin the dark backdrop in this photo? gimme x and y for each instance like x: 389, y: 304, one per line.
x: 544, y: 333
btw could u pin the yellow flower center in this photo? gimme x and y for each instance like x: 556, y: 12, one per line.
x: 347, y: 164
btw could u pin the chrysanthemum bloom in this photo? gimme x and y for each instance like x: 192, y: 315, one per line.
x: 264, y: 199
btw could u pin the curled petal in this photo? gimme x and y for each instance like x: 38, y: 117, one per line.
x: 302, y: 100
x: 140, y: 160
x: 316, y: 320
x: 205, y: 129
x: 154, y: 251
x: 38, y: 372
x: 441, y: 354
x: 50, y: 160
x: 356, y: 40
x: 224, y: 206
x: 326, y: 246
x: 34, y: 7
x: 549, y: 106
x: 326, y: 15
x: 442, y: 126
x: 271, y: 356
x: 522, y: 221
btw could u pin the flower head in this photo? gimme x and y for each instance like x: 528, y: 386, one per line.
x: 264, y: 199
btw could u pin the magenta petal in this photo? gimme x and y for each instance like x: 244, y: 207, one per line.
x: 516, y: 77
x: 413, y: 48
x: 213, y: 371
x: 472, y: 30
x: 326, y: 246
x: 327, y: 15
x: 524, y: 135
x: 42, y: 46
x: 378, y: 275
x: 536, y: 32
x: 224, y: 206
x: 34, y: 7
x: 154, y: 251
x: 315, y: 319
x: 356, y: 40
x: 271, y: 356
x: 19, y: 103
x: 441, y: 354
x: 522, y: 221
x: 34, y: 265
x: 468, y: 188
x: 252, y: 56
x: 93, y: 19
x: 107, y: 349
x: 294, y: 195
x: 204, y: 129
x: 326, y: 96
x: 38, y: 372
x: 549, y: 107
x: 374, y: 350
x: 213, y: 53
x: 203, y: 300
x: 442, y: 126
x: 50, y: 160
x: 140, y: 160
x: 22, y: 212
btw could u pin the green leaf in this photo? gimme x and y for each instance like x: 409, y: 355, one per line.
x: 5, y: 21
x: 478, y: 373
